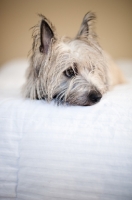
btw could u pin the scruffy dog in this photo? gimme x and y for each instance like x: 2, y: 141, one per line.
x: 75, y: 71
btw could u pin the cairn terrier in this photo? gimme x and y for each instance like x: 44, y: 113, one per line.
x: 73, y: 71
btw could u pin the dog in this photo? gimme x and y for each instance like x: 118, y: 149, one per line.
x: 74, y: 71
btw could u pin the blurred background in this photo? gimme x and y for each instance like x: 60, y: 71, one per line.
x: 114, y: 24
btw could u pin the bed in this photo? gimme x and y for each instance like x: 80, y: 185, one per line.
x: 50, y: 152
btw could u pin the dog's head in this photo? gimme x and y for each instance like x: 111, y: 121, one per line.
x: 72, y: 71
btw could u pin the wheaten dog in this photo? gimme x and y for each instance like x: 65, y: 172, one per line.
x: 73, y: 71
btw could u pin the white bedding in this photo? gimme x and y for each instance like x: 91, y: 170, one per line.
x: 68, y: 152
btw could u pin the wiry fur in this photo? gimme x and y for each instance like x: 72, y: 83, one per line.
x: 52, y: 56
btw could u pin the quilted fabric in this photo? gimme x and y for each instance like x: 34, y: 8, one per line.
x: 67, y: 152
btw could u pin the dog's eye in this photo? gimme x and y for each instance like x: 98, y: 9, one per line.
x: 71, y: 72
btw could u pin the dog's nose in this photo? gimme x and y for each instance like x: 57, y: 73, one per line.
x: 94, y: 96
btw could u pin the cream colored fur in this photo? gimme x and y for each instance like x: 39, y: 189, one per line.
x: 75, y: 71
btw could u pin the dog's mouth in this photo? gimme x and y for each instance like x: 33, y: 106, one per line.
x: 59, y: 99
x: 87, y: 100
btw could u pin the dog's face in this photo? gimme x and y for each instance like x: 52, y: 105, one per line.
x: 72, y: 71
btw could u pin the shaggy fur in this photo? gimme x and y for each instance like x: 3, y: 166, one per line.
x: 74, y: 71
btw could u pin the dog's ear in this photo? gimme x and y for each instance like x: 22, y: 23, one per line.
x: 85, y: 30
x: 46, y: 35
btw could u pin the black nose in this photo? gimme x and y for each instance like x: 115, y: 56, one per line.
x: 94, y: 96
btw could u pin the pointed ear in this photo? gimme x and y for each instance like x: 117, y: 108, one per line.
x: 46, y: 35
x: 86, y: 26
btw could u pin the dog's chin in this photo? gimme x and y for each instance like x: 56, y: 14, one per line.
x: 81, y: 103
x: 71, y: 103
x: 85, y: 101
x: 62, y: 102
